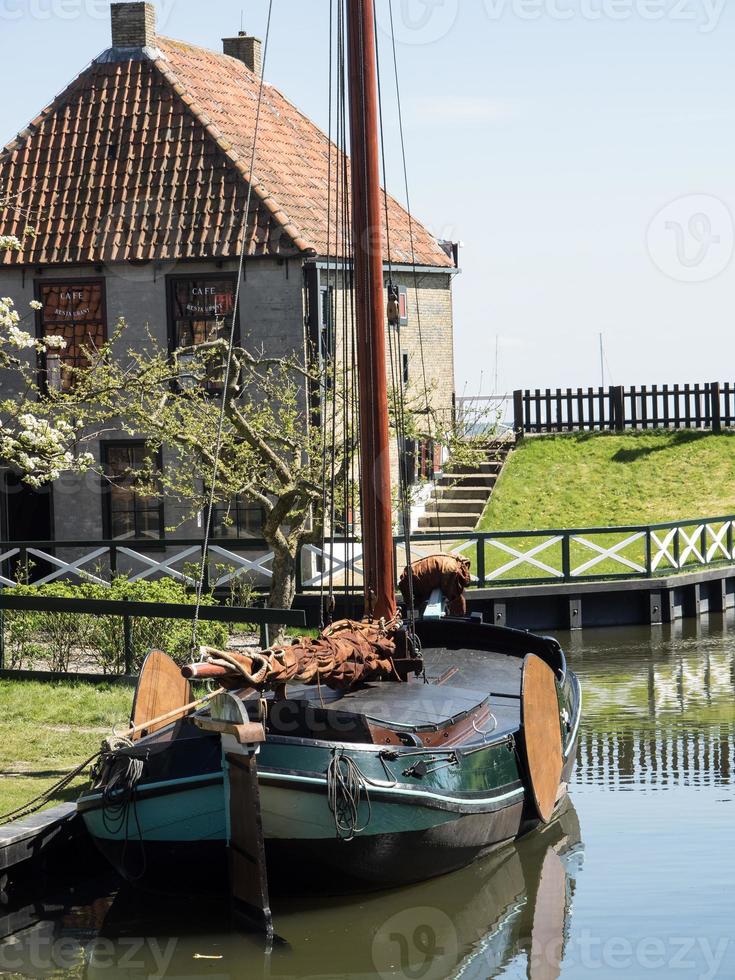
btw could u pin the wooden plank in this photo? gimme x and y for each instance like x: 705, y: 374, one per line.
x: 541, y: 734
x: 161, y: 689
x: 248, y: 872
x: 591, y: 410
x: 715, y: 415
x: 30, y: 836
x: 698, y: 419
x: 644, y: 407
x: 559, y: 413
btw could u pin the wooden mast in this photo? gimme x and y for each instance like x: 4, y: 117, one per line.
x: 375, y: 483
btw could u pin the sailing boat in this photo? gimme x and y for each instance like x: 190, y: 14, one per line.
x: 389, y: 753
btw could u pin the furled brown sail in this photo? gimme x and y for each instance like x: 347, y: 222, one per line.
x: 450, y: 573
x: 346, y: 653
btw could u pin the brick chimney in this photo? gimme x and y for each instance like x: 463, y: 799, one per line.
x: 133, y: 25
x: 247, y: 49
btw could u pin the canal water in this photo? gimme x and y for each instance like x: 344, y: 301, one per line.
x: 635, y: 879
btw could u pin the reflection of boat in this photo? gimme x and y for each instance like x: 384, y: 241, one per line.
x: 470, y: 925
x: 386, y: 777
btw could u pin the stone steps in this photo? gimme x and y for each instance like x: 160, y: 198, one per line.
x: 448, y: 521
x: 454, y: 506
x: 461, y: 493
x: 467, y: 480
x: 490, y: 466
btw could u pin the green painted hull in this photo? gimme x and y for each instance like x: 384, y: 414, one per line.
x: 412, y: 822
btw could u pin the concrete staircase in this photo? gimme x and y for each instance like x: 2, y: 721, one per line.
x: 461, y: 492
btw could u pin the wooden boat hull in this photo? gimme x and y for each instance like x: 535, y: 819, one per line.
x: 412, y: 824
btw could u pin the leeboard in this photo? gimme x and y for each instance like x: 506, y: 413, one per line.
x: 541, y: 734
x: 161, y: 689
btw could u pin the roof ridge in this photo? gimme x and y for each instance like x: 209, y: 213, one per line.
x: 264, y: 195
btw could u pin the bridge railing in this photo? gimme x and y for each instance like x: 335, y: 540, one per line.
x: 496, y: 557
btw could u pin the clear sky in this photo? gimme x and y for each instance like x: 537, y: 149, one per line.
x: 581, y: 150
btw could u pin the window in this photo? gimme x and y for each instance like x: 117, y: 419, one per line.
x: 129, y: 514
x: 75, y: 311
x: 326, y: 339
x: 403, y: 305
x: 402, y: 300
x: 240, y: 519
x: 199, y: 310
x: 405, y: 369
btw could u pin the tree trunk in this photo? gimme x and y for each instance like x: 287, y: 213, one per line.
x: 283, y: 584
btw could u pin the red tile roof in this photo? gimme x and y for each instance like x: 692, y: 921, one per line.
x: 142, y: 159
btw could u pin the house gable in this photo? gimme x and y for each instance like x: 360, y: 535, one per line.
x: 147, y: 156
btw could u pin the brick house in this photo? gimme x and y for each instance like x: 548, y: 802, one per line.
x: 137, y: 176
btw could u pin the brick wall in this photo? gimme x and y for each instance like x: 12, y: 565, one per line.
x: 271, y: 318
x: 430, y: 305
x: 133, y: 25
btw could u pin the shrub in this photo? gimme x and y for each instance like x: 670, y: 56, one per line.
x: 85, y: 641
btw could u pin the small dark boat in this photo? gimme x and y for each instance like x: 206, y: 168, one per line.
x: 416, y: 749
x: 441, y: 769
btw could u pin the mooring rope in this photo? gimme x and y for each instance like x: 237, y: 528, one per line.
x: 43, y: 798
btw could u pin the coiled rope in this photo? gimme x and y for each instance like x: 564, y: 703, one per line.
x: 346, y: 783
x: 118, y: 796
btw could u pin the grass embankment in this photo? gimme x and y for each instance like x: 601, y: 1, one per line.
x: 600, y: 480
x: 47, y: 729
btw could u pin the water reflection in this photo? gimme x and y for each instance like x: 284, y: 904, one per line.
x: 514, y: 904
x: 659, y: 706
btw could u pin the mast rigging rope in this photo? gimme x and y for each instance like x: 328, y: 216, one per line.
x: 231, y: 344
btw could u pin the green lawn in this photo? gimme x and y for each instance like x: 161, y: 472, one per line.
x: 47, y: 729
x: 599, y: 480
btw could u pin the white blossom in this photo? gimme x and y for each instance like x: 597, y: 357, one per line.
x: 10, y: 242
x: 35, y: 305
x: 54, y: 342
x: 19, y: 338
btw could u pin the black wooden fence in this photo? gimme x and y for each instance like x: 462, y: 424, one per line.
x: 152, y: 610
x: 617, y: 408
